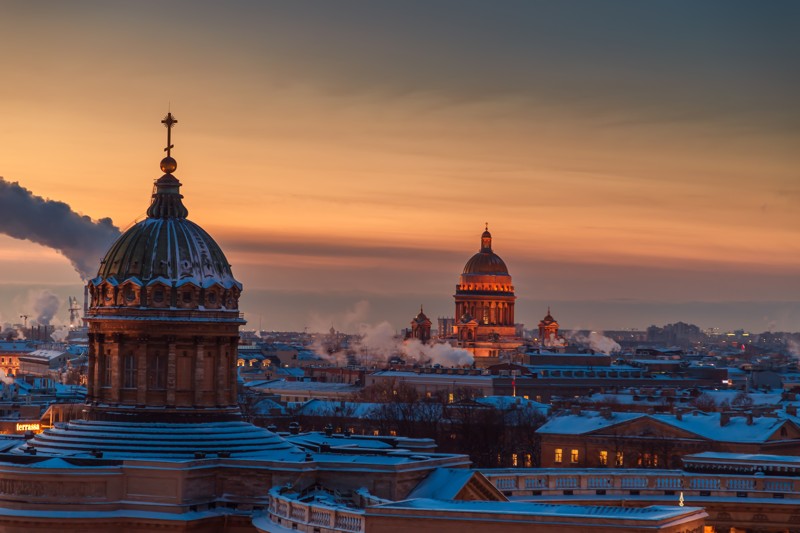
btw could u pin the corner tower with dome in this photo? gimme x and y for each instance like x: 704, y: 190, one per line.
x: 484, y: 299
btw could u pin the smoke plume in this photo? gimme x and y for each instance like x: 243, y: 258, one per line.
x: 43, y: 306
x: 60, y: 334
x: 793, y: 347
x: 54, y: 224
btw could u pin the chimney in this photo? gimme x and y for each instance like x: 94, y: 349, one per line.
x: 791, y: 409
x: 749, y: 419
x: 679, y: 415
x: 605, y: 412
x: 575, y: 409
x: 294, y: 428
x: 85, y: 300
x: 724, y: 418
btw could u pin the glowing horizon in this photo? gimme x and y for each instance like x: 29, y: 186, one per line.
x: 613, y: 160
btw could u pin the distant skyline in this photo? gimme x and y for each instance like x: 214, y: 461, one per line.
x: 637, y: 162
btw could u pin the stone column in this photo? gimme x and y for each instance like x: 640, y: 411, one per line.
x: 91, y: 371
x: 100, y: 348
x: 172, y: 381
x: 141, y: 369
x: 220, y: 381
x: 116, y: 367
x: 199, y: 370
x: 233, y: 387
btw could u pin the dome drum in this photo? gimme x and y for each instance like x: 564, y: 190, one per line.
x: 163, y: 294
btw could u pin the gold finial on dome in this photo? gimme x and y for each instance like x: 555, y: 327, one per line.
x: 168, y: 164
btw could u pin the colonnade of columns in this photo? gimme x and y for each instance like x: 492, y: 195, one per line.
x: 124, y: 370
x: 487, y: 312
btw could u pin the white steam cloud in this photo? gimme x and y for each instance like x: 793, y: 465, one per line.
x: 379, y: 343
x: 598, y: 342
x: 60, y: 334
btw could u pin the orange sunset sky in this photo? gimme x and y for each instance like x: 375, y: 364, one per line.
x: 637, y: 162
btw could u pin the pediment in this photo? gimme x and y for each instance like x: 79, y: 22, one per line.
x: 644, y: 427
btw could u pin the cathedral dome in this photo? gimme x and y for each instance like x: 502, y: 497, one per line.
x: 167, y: 248
x: 165, y: 260
x: 486, y: 262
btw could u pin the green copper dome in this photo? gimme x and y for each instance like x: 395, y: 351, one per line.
x: 166, y: 247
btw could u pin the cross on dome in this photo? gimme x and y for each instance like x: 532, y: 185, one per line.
x: 168, y: 164
x: 169, y: 122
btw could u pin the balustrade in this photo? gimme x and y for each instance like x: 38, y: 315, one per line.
x: 344, y: 520
x: 611, y: 480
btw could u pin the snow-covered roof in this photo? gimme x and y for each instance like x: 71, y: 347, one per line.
x: 280, y: 385
x: 707, y: 425
x: 46, y: 354
x: 586, y: 422
x: 316, y: 407
x: 442, y: 484
x: 651, y: 513
x: 506, y: 402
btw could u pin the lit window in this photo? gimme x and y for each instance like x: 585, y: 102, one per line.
x: 619, y: 460
x: 450, y: 398
x: 603, y: 457
x: 573, y: 456
x: 514, y: 459
x: 538, y: 398
x: 559, y: 455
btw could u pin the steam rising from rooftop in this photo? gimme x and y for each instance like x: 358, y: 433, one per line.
x: 54, y: 224
x: 43, y: 305
x: 598, y: 342
x: 379, y: 343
